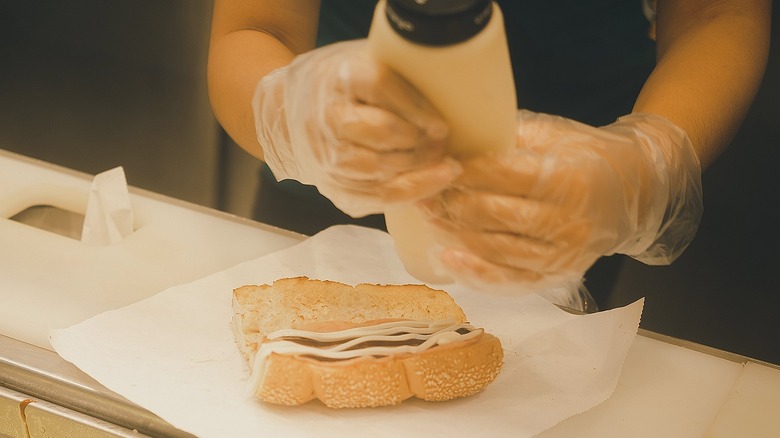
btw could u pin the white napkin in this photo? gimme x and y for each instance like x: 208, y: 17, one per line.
x: 174, y: 354
x: 109, y: 216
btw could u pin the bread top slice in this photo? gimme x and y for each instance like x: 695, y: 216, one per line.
x: 299, y: 301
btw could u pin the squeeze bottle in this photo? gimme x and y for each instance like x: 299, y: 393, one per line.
x: 455, y: 53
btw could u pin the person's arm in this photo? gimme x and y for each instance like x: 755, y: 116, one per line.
x: 331, y: 117
x: 249, y: 39
x: 711, y: 59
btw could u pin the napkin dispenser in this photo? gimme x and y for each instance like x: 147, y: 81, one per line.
x: 106, y: 219
x: 49, y: 278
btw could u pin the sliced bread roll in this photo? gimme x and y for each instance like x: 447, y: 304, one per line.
x: 446, y: 370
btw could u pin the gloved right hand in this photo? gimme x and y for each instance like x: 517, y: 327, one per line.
x: 542, y: 213
x: 337, y: 119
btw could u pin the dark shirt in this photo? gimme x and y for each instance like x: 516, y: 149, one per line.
x: 582, y: 59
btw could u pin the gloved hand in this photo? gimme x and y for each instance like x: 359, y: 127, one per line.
x: 542, y: 213
x: 336, y: 119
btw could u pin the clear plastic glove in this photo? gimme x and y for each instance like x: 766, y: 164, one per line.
x: 541, y: 214
x: 336, y: 119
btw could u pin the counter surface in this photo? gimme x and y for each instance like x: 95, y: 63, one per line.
x: 668, y: 387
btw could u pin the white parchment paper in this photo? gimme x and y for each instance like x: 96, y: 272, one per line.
x: 174, y: 354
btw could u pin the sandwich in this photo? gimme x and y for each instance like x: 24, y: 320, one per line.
x: 363, y: 346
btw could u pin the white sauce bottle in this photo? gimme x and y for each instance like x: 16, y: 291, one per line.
x: 455, y: 53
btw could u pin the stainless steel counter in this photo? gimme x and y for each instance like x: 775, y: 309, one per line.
x: 35, y: 379
x: 42, y: 395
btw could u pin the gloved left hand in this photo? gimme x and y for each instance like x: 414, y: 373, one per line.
x: 542, y: 213
x: 337, y: 119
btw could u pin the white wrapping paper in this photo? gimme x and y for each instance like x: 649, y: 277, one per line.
x: 174, y: 354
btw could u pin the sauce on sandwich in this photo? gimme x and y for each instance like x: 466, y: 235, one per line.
x: 379, y: 340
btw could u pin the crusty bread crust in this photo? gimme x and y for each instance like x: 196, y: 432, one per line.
x: 439, y: 374
x: 444, y: 372
x: 297, y: 302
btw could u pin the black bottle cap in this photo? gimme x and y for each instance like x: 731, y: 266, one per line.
x: 438, y: 22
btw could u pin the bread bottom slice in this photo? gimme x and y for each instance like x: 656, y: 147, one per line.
x: 445, y: 372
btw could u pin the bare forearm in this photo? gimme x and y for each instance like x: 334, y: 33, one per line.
x: 233, y: 75
x: 248, y: 42
x: 711, y: 60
